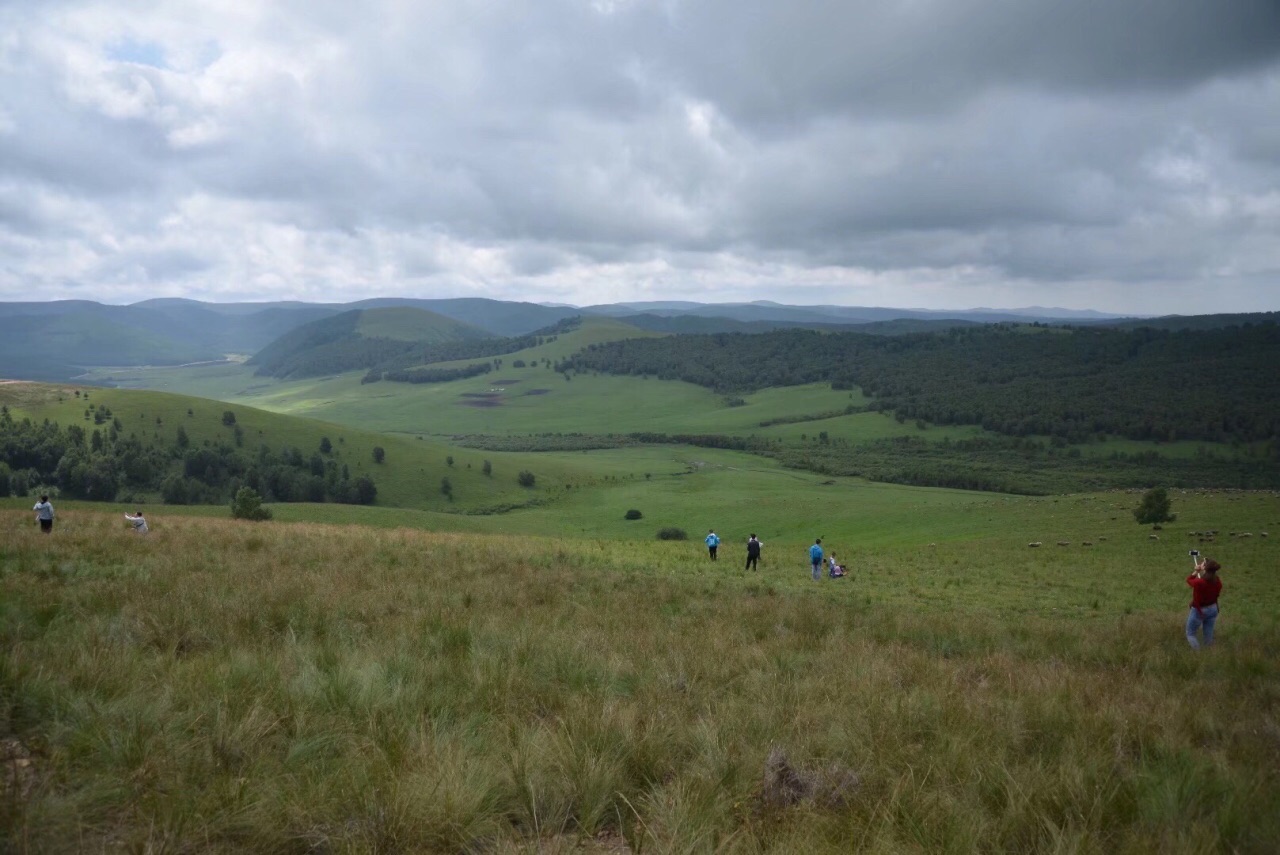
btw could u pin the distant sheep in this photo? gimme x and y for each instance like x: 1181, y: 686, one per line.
x: 1064, y: 543
x: 1153, y: 537
x: 1086, y: 543
x: 1033, y: 544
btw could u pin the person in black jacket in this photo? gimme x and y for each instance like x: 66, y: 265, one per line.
x: 753, y: 553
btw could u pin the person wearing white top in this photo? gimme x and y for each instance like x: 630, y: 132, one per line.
x: 139, y: 524
x: 44, y: 513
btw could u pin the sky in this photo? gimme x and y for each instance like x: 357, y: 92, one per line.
x: 1118, y: 155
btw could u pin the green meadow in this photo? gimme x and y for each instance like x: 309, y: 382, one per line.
x: 223, y: 686
x: 524, y: 669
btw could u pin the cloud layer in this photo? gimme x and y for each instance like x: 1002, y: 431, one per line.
x: 1111, y: 154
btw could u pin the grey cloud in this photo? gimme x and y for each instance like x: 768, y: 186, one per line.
x: 319, y: 145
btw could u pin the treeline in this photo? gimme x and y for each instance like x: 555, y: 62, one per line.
x: 1073, y: 383
x: 103, y: 464
x: 435, y: 375
x: 1026, y: 466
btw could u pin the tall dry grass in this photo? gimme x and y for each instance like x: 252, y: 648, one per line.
x: 224, y: 686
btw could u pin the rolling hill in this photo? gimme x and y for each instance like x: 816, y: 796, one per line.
x: 359, y: 340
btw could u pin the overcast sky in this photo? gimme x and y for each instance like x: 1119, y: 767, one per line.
x: 1121, y: 155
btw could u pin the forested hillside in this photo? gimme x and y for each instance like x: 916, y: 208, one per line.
x: 387, y: 343
x: 1075, y: 383
x: 106, y: 459
x: 355, y: 341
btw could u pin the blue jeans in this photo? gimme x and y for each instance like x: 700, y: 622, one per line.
x: 817, y: 571
x: 1203, y: 618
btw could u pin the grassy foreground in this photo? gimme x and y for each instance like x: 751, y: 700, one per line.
x: 221, y: 686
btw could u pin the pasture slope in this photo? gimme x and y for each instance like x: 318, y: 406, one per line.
x: 220, y: 686
x: 410, y: 477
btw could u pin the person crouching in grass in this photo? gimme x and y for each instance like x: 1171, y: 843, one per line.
x: 1205, y: 589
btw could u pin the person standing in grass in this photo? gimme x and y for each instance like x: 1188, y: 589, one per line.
x: 753, y: 553
x: 815, y: 558
x: 712, y: 541
x: 1205, y: 589
x: 44, y: 513
x: 139, y: 523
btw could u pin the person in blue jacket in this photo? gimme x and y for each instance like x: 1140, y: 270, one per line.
x: 713, y: 540
x: 815, y: 558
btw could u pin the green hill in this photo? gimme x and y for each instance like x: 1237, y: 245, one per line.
x: 58, y: 346
x: 137, y: 445
x: 359, y: 340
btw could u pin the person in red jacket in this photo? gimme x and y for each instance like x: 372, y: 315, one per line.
x: 1205, y: 589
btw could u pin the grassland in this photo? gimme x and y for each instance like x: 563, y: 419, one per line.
x: 222, y: 686
x: 410, y: 477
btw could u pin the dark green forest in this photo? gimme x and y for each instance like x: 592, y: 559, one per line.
x: 1076, y: 384
x: 103, y: 464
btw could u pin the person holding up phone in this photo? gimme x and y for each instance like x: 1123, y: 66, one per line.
x: 1206, y: 587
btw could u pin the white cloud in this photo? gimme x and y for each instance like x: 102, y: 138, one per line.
x: 1099, y: 154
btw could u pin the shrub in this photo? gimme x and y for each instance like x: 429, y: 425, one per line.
x: 525, y: 478
x: 672, y: 533
x: 632, y: 514
x: 228, y: 418
x: 379, y: 454
x: 1154, y: 508
x: 247, y: 505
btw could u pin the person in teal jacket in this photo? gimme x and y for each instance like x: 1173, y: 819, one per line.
x: 713, y: 540
x: 815, y: 558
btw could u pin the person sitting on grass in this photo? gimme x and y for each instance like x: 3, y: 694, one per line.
x: 1205, y: 589
x: 139, y: 524
x: 835, y: 571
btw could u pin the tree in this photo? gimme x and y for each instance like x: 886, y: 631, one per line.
x: 525, y: 478
x: 1154, y: 508
x: 325, y: 445
x: 183, y: 439
x: 449, y: 460
x: 447, y: 488
x: 633, y: 514
x: 379, y: 454
x: 366, y: 491
x: 487, y: 469
x: 228, y: 418
x: 247, y: 505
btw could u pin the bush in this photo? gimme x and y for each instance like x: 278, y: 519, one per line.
x: 525, y: 478
x: 228, y: 418
x: 632, y: 514
x: 1154, y: 508
x: 672, y: 533
x: 247, y: 505
x: 379, y: 454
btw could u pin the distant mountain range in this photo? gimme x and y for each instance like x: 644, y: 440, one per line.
x: 58, y: 340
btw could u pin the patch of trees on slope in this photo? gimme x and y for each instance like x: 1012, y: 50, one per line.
x: 102, y: 463
x: 1073, y: 383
